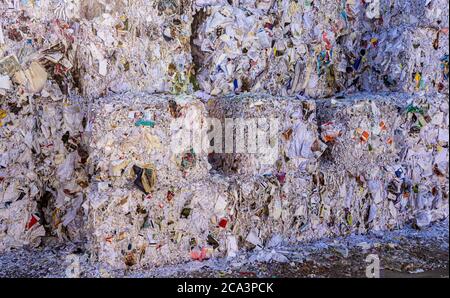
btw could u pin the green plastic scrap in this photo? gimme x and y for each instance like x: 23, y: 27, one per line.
x: 412, y: 109
x: 142, y: 122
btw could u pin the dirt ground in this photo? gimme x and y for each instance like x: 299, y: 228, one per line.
x: 402, y: 253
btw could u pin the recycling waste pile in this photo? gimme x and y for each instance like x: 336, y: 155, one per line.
x: 348, y: 102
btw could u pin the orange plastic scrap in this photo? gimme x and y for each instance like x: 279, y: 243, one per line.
x: 390, y: 141
x: 329, y: 138
x: 383, y: 126
x: 330, y: 133
x: 365, y: 136
x: 109, y: 239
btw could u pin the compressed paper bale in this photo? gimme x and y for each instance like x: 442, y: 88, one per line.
x: 102, y: 43
x: 389, y: 43
x: 267, y: 196
x: 282, y: 47
x: 267, y: 135
x: 145, y: 131
x: 136, y: 165
x: 272, y: 199
x: 369, y: 175
x: 129, y: 229
x: 138, y: 46
x: 392, y: 42
x: 358, y: 154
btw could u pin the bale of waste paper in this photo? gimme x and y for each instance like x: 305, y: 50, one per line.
x: 386, y: 161
x: 132, y: 160
x: 142, y: 176
x: 147, y: 139
x: 278, y: 47
x: 97, y: 47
